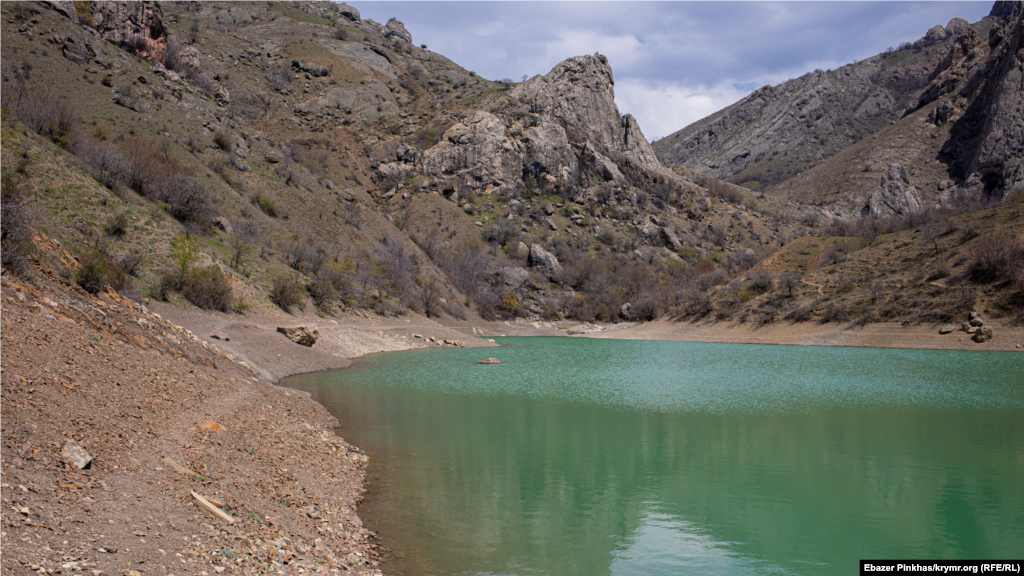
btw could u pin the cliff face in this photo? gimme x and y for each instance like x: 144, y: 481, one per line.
x: 979, y: 87
x: 778, y: 132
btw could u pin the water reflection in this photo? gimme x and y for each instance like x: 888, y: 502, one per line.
x: 583, y: 457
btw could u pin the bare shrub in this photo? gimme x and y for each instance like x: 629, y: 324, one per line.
x: 117, y: 226
x: 15, y: 225
x: 48, y: 114
x: 286, y: 292
x: 835, y: 313
x: 99, y: 269
x: 188, y: 199
x: 996, y: 256
x: 761, y: 282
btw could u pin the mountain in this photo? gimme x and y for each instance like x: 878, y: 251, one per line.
x: 779, y: 131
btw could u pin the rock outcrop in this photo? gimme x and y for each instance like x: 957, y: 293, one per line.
x: 135, y: 26
x: 560, y: 130
x: 979, y: 86
x: 895, y: 195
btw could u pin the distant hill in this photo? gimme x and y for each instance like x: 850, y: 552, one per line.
x: 780, y: 131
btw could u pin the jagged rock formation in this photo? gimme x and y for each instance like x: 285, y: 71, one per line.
x: 895, y: 196
x: 777, y: 132
x: 979, y: 86
x: 562, y: 130
x: 545, y: 262
x: 136, y: 26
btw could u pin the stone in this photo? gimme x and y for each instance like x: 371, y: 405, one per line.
x: 65, y: 8
x: 625, y: 310
x: 972, y: 315
x: 304, y: 335
x: 544, y: 261
x: 895, y: 196
x: 76, y: 456
x: 490, y: 361
x: 972, y: 330
x: 395, y: 30
x: 948, y: 328
x: 76, y: 50
x: 550, y: 225
x: 520, y: 251
x: 349, y: 12
x: 220, y: 336
x: 976, y: 322
x: 223, y: 224
x: 984, y: 334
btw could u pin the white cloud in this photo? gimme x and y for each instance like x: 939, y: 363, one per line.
x: 661, y: 110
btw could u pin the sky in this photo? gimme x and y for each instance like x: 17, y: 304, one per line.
x: 673, y: 62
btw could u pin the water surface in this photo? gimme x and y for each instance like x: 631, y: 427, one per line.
x: 591, y: 457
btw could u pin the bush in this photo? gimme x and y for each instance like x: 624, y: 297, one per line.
x: 98, y: 270
x: 997, y: 256
x: 15, y: 228
x: 266, y: 205
x: 761, y: 282
x: 49, y: 114
x: 209, y: 288
x: 188, y: 200
x: 286, y: 292
x: 117, y: 226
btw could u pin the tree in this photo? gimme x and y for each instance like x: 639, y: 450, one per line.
x: 185, y: 252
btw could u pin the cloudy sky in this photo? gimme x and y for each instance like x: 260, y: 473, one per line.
x: 674, y: 62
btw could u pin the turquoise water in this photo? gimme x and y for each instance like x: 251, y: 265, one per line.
x: 599, y: 457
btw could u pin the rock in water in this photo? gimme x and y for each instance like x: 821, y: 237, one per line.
x: 984, y: 334
x: 490, y: 361
x: 76, y: 456
x: 305, y: 335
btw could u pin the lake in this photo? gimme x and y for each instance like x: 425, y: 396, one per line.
x: 591, y: 457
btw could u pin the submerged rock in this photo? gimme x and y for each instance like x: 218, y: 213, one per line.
x: 490, y: 361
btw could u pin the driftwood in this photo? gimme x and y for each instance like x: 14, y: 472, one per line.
x: 211, y: 508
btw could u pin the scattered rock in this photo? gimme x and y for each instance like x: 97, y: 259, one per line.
x: 220, y: 336
x: 947, y: 329
x: 490, y: 361
x: 304, y: 335
x: 983, y: 334
x: 76, y: 455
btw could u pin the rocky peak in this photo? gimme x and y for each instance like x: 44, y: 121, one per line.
x: 395, y: 30
x: 1004, y: 9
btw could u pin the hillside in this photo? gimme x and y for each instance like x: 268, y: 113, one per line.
x: 780, y: 131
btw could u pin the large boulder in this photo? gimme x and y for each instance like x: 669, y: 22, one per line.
x: 76, y: 50
x: 895, y: 196
x: 304, y: 335
x: 984, y: 334
x: 544, y: 262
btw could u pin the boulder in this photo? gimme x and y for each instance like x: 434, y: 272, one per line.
x: 520, y: 251
x: 544, y: 261
x: 395, y: 30
x: 895, y: 196
x: 625, y: 310
x: 220, y: 336
x: 223, y: 223
x: 490, y: 361
x: 984, y: 334
x: 304, y: 335
x: 349, y: 12
x: 76, y: 50
x: 948, y: 328
x: 976, y: 322
x: 76, y: 456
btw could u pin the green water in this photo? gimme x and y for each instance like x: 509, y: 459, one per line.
x: 590, y: 457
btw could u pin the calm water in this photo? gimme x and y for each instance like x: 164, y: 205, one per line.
x: 590, y: 457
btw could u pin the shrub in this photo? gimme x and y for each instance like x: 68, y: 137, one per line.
x: 997, y: 256
x: 209, y: 288
x: 131, y: 262
x: 222, y: 140
x: 286, y: 292
x: 761, y: 282
x: 49, y: 114
x: 117, y: 226
x: 15, y: 226
x: 188, y: 200
x: 266, y: 205
x: 98, y: 270
x: 834, y: 313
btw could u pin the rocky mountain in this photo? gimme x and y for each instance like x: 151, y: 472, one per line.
x: 779, y: 131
